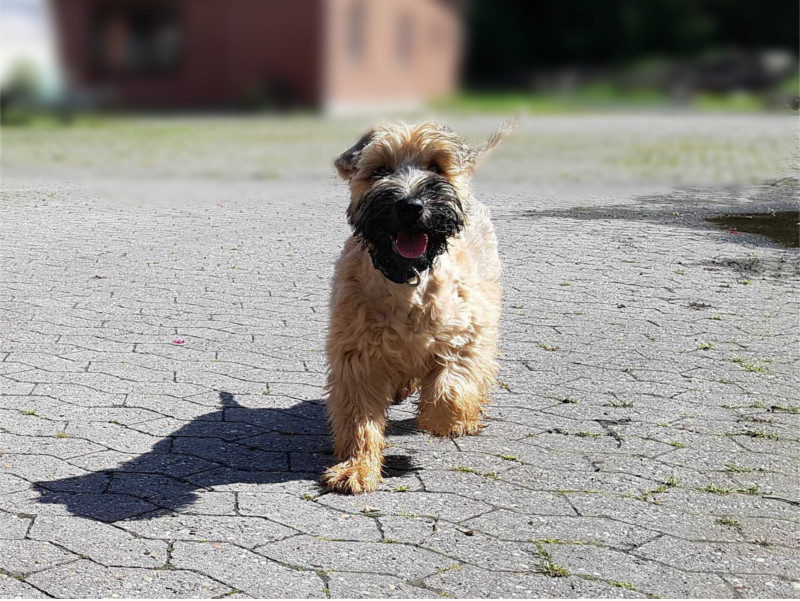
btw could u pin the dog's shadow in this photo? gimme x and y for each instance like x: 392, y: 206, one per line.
x: 228, y: 446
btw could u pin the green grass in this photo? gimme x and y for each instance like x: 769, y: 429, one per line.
x: 740, y: 102
x: 594, y: 97
x: 759, y: 434
x: 550, y: 567
x: 751, y: 367
x: 729, y: 523
x: 732, y: 467
x: 714, y: 490
x: 620, y: 404
x: 554, y: 570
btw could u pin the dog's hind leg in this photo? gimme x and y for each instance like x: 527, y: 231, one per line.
x: 405, y: 390
x: 357, y: 404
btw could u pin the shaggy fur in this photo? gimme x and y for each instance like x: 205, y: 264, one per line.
x: 428, y: 323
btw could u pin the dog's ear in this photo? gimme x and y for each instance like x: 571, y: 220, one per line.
x: 347, y: 162
x: 474, y: 155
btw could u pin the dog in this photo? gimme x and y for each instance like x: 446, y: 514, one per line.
x: 416, y: 295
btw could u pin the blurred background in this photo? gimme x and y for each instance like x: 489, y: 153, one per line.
x: 340, y: 56
x: 154, y: 97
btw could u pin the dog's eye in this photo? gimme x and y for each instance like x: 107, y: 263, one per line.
x: 434, y: 168
x: 381, y: 172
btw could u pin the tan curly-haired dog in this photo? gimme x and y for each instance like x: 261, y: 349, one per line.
x: 416, y: 295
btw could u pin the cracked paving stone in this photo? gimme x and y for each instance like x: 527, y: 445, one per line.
x: 765, y: 587
x: 723, y: 557
x: 520, y: 527
x: 25, y: 556
x: 308, y: 517
x: 448, y: 507
x: 474, y: 583
x: 246, y: 571
x: 13, y: 526
x: 496, y: 492
x: 344, y: 585
x: 388, y: 558
x: 243, y: 531
x: 477, y: 549
x: 102, y: 543
x: 11, y: 588
x: 645, y: 575
x: 87, y: 580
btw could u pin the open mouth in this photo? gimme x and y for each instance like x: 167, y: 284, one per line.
x: 410, y: 245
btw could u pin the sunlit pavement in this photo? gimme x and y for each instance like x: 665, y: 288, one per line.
x: 162, y: 319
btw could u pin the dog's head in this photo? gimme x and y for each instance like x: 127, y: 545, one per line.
x: 409, y: 189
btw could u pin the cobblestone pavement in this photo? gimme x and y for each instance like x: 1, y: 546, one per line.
x: 161, y: 371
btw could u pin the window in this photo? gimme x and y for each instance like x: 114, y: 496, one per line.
x: 131, y: 37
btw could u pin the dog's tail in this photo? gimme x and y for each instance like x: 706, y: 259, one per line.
x: 506, y: 127
x: 477, y: 153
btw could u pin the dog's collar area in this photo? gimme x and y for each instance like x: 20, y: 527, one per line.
x: 413, y: 281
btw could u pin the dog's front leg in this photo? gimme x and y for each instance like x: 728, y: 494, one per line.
x: 357, y: 414
x: 452, y: 397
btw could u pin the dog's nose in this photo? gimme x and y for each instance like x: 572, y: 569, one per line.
x: 409, y: 209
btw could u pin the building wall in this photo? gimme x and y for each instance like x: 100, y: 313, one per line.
x: 232, y: 50
x: 301, y: 52
x: 385, y: 69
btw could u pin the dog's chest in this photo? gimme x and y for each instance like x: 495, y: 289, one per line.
x: 427, y: 319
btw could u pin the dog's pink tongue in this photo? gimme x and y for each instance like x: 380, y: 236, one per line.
x: 411, y: 246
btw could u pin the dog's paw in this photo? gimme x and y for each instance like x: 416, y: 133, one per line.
x: 352, y: 477
x: 447, y: 427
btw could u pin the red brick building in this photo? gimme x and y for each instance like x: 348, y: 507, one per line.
x: 331, y: 54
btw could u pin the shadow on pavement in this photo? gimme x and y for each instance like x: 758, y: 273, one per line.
x: 695, y: 208
x: 232, y: 445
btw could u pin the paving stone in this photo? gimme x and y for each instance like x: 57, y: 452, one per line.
x: 13, y: 526
x: 309, y: 517
x: 388, y: 558
x: 87, y: 580
x: 449, y: 507
x: 721, y: 557
x: 246, y: 571
x: 100, y: 542
x: 496, y: 492
x: 520, y: 527
x: 242, y: 531
x: 474, y: 583
x: 468, y: 546
x: 764, y: 587
x: 11, y: 588
x: 344, y: 585
x: 644, y: 575
x: 26, y: 556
